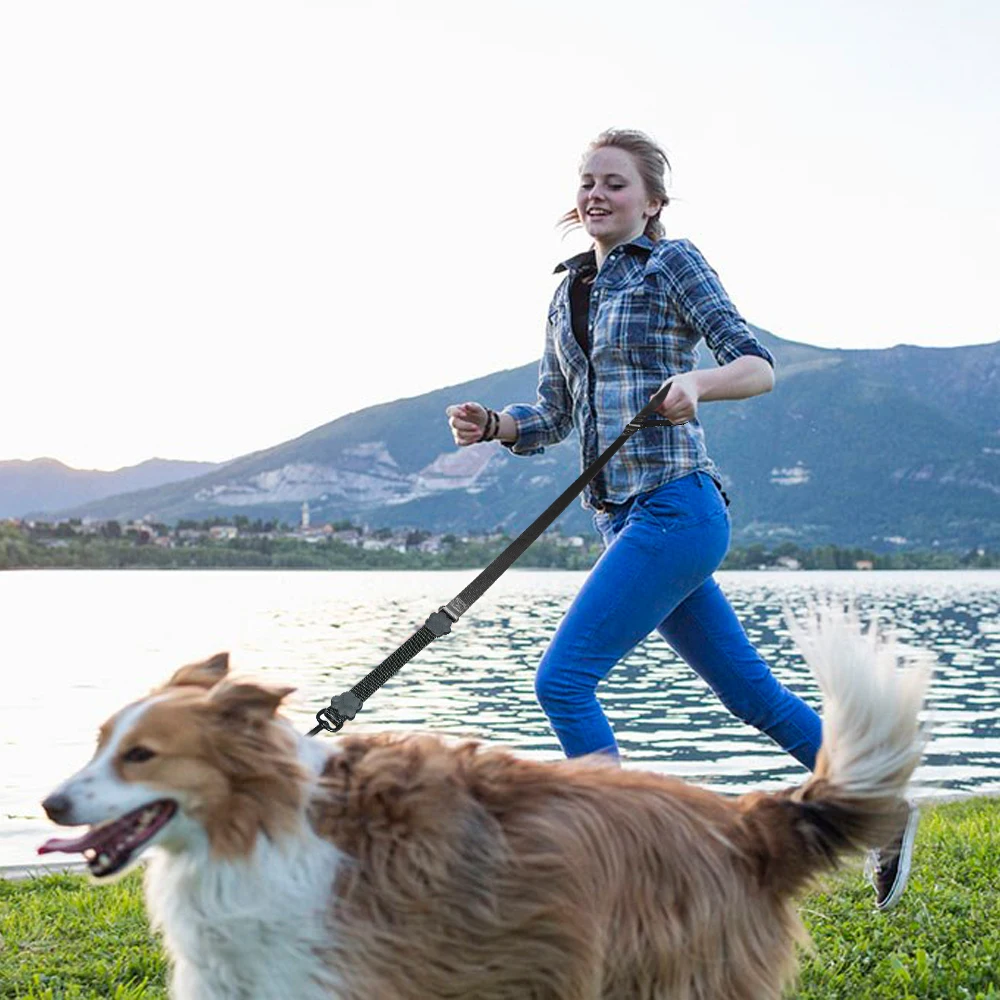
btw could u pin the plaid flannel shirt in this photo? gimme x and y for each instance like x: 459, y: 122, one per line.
x: 650, y: 304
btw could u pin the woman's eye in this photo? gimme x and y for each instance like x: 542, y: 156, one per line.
x: 138, y: 755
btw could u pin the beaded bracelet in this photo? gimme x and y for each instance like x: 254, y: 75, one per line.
x: 492, y: 428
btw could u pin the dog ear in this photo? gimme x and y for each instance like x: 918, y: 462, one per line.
x: 206, y: 674
x: 247, y: 703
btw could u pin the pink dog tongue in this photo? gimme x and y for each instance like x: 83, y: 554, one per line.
x: 69, y: 845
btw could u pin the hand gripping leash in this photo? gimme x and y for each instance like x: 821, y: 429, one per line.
x: 345, y: 706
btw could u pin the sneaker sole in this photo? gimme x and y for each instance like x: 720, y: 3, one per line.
x: 905, y: 862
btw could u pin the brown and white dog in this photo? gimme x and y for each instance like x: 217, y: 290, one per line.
x: 394, y: 867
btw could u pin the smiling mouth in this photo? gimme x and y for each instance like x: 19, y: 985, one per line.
x: 109, y: 846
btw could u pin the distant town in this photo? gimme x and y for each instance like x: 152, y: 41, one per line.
x: 242, y: 542
x: 192, y: 533
x: 253, y: 542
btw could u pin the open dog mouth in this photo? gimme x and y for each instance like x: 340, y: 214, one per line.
x: 109, y: 846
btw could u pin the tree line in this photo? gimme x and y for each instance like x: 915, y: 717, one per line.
x: 111, y: 550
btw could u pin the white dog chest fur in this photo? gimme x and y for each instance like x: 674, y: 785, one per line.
x: 252, y: 929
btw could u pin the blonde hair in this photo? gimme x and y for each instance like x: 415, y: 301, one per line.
x: 650, y: 161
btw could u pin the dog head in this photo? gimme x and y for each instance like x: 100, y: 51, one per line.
x: 201, y: 764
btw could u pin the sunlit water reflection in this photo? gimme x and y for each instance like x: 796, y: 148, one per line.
x: 75, y: 646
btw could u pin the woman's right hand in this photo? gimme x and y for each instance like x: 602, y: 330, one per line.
x: 467, y: 422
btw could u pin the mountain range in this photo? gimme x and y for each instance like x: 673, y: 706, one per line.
x: 877, y: 448
x: 44, y: 484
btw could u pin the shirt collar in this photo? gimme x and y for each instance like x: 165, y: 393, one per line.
x: 642, y: 245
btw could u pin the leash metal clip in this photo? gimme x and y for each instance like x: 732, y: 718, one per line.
x: 341, y: 708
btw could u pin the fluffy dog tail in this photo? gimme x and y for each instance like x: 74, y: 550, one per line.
x: 872, y: 741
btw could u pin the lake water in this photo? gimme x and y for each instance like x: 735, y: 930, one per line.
x: 75, y: 646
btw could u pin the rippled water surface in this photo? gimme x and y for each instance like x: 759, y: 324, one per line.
x: 76, y: 646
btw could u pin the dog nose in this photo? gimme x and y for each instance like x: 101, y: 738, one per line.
x: 57, y: 807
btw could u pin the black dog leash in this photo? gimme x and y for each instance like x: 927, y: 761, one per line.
x: 345, y: 706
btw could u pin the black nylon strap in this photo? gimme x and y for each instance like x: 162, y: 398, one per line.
x: 345, y: 706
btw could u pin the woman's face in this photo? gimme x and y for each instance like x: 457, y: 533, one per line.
x: 612, y: 199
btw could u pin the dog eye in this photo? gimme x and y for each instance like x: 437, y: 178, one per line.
x: 138, y: 755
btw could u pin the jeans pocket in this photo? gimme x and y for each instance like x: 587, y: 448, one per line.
x: 683, y: 502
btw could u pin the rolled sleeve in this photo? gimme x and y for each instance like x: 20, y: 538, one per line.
x: 550, y: 418
x: 531, y: 429
x: 705, y: 306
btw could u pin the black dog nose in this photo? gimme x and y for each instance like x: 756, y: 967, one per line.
x: 57, y: 807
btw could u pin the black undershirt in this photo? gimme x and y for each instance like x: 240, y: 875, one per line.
x: 579, y: 306
x: 579, y: 312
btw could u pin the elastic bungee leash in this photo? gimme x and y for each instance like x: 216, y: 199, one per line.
x: 345, y: 706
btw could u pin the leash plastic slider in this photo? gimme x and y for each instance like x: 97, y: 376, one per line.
x: 440, y: 622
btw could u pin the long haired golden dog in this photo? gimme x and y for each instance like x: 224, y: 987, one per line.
x: 406, y: 868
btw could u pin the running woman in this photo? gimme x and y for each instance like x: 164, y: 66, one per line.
x: 626, y: 318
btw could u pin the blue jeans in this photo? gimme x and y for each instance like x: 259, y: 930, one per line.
x: 661, y: 549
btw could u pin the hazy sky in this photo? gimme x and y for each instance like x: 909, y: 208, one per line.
x: 222, y: 225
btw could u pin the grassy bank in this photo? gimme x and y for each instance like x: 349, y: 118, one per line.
x: 64, y: 938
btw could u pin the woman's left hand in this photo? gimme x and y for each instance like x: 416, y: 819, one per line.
x: 681, y: 404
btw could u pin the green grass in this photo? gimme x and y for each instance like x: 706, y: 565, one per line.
x: 63, y: 938
x: 942, y: 942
